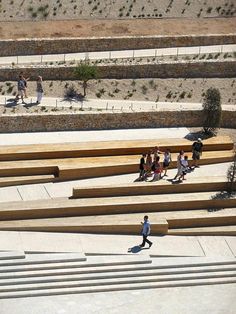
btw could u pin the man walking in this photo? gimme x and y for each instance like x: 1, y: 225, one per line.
x: 146, y: 232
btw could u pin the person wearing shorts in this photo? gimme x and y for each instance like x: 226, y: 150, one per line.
x: 197, y: 152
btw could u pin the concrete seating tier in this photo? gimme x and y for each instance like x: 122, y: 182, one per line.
x: 62, y: 207
x: 78, y: 168
x: 10, y: 181
x: 160, y: 187
x: 106, y: 148
x: 162, y: 222
x: 120, y: 273
x: 215, y: 231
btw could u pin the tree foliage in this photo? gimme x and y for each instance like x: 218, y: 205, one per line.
x: 85, y: 72
x: 212, y: 111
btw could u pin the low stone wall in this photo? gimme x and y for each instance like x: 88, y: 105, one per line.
x: 71, y: 45
x: 99, y: 121
x: 194, y: 69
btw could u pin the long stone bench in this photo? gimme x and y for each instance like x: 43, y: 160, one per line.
x: 106, y: 148
x: 202, y: 184
x: 62, y: 207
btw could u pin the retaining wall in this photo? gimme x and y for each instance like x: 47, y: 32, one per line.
x: 194, y: 69
x: 99, y: 121
x: 71, y: 45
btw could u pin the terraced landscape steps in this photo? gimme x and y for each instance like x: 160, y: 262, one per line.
x: 121, y: 274
x: 106, y: 148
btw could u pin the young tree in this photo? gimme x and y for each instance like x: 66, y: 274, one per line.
x: 85, y: 72
x: 231, y: 175
x: 212, y: 111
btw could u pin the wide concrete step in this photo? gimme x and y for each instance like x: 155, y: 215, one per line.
x: 199, y: 184
x: 92, y: 264
x: 63, y: 207
x: 125, y: 223
x: 41, y: 278
x: 229, y: 230
x: 44, y: 259
x: 116, y: 264
x: 118, y: 281
x: 86, y: 167
x: 9, y: 255
x: 119, y: 287
x: 106, y: 148
x: 10, y: 181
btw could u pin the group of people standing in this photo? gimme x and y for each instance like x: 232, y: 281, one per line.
x: 22, y: 88
x: 150, y: 165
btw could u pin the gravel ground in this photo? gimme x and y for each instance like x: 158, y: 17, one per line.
x: 171, y: 90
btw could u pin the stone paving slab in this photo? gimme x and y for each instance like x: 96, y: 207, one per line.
x: 33, y: 192
x: 231, y: 241
x: 8, y: 194
x: 215, y: 246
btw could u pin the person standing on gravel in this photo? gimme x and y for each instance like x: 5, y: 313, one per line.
x: 146, y: 230
x: 20, y: 88
x: 39, y: 89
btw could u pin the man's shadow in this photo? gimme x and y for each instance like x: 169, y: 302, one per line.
x: 136, y: 249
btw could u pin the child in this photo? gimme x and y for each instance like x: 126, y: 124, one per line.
x: 156, y: 167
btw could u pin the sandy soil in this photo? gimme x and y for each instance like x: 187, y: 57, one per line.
x: 172, y: 90
x: 99, y: 28
x: 113, y: 9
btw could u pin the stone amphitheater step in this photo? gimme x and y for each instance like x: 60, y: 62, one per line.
x: 138, y: 278
x: 62, y: 207
x: 10, y: 181
x: 91, y: 265
x: 126, y: 223
x: 106, y: 148
x: 76, y: 275
x: 212, y: 230
x: 165, y: 272
x: 141, y: 283
x: 199, y: 184
x: 78, y: 168
x: 9, y: 255
x: 45, y: 259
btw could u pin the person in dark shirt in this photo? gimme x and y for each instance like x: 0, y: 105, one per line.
x: 197, y: 151
x: 142, y: 167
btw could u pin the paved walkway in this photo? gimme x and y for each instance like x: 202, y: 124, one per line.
x: 103, y: 55
x: 99, y: 105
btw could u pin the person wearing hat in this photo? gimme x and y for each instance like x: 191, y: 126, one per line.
x: 197, y: 152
